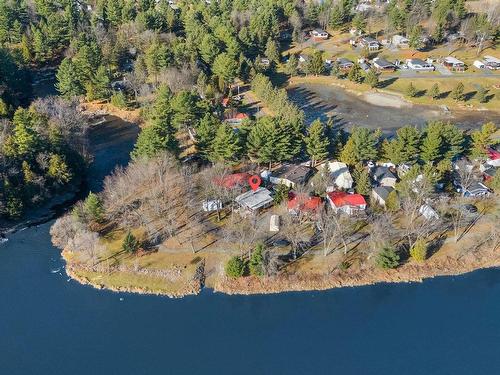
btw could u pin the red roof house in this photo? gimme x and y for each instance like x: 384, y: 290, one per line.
x: 303, y: 203
x: 348, y: 203
x: 233, y: 180
x: 493, y: 154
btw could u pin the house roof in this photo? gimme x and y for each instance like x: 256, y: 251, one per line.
x: 233, y: 180
x: 418, y: 62
x: 477, y: 188
x: 254, y: 200
x: 490, y: 172
x: 293, y: 172
x: 493, y: 154
x: 319, y: 31
x: 303, y: 202
x: 452, y: 60
x: 368, y: 39
x: 344, y: 61
x: 340, y: 199
x: 383, y: 191
x: 379, y: 173
x: 383, y: 63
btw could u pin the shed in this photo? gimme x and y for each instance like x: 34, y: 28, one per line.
x: 274, y: 223
x: 428, y: 212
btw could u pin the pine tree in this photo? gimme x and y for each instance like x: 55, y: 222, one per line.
x: 387, y: 258
x: 418, y: 252
x: 316, y: 142
x: 404, y: 148
x: 292, y: 66
x: 362, y: 145
x: 93, y: 208
x: 431, y: 148
x: 392, y: 202
x: 315, y: 65
x: 130, y: 243
x: 205, y: 134
x: 153, y: 139
x: 25, y: 139
x: 267, y: 143
x: 482, y: 139
x: 59, y: 170
x: 361, y: 179
x: 256, y: 264
x: 355, y: 74
x: 68, y: 83
x: 235, y: 267
x: 372, y: 78
x: 411, y: 90
x: 458, y: 92
x: 225, y: 146
x: 482, y: 94
x: 26, y: 49
x: 434, y: 91
x: 453, y: 139
x: 100, y: 86
x: 272, y: 51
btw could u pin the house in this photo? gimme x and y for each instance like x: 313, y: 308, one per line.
x: 420, y: 65
x: 489, y: 173
x: 255, y: 200
x: 382, y: 64
x: 493, y: 157
x: 368, y: 42
x: 491, y: 62
x: 344, y: 64
x: 384, y: 176
x: 479, y: 64
x: 400, y: 41
x: 454, y: 64
x: 347, y: 203
x: 291, y: 175
x: 381, y: 193
x: 476, y: 189
x: 303, y: 203
x: 319, y: 34
x: 233, y: 180
x: 364, y: 65
x: 339, y: 173
x: 235, y: 119
x: 428, y: 212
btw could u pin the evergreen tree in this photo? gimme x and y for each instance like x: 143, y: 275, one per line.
x: 387, y: 258
x: 372, y: 78
x: 225, y: 67
x: 315, y: 65
x: 272, y: 51
x: 392, y: 202
x: 316, y: 142
x: 359, y: 22
x: 482, y: 94
x: 411, y: 90
x: 430, y: 150
x: 68, y: 83
x: 100, y: 86
x: 93, y: 208
x: 130, y: 243
x: 153, y: 139
x: 235, y: 267
x: 458, y: 92
x: 362, y: 145
x: 453, y: 139
x: 482, y: 139
x: 434, y: 91
x: 415, y: 39
x: 362, y: 180
x: 404, y: 148
x: 355, y: 74
x: 256, y: 264
x: 59, y: 170
x: 225, y: 146
x: 292, y: 66
x: 205, y: 134
x: 267, y: 143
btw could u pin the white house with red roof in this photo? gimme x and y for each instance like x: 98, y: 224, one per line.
x: 303, y: 203
x: 347, y: 203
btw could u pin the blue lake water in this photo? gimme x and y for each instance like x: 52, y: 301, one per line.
x: 49, y: 325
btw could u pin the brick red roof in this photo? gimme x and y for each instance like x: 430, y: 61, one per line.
x: 340, y: 199
x: 303, y: 202
x: 493, y: 154
x: 233, y: 180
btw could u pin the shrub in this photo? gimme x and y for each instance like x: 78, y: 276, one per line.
x: 256, y: 265
x: 419, y: 251
x: 119, y: 100
x: 411, y: 90
x: 387, y: 258
x: 235, y: 267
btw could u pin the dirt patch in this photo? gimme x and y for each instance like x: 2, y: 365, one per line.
x: 385, y: 100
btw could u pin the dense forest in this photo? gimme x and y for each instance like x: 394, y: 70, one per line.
x: 176, y: 61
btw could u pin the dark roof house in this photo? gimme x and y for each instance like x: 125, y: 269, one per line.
x: 291, y: 175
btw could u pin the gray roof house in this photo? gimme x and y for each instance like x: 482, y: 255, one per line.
x: 380, y: 194
x: 384, y: 176
x: 291, y: 175
x: 476, y: 189
x: 255, y: 200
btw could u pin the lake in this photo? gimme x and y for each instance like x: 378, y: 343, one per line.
x: 50, y: 325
